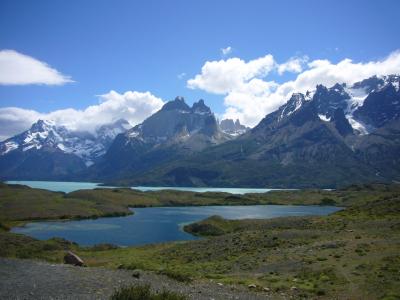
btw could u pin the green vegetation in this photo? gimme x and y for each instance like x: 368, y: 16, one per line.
x: 352, y: 254
x: 143, y: 292
x: 20, y: 203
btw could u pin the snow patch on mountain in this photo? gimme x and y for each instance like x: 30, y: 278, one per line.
x: 358, y: 126
x: 45, y: 134
x: 357, y: 97
x: 324, y: 118
x: 327, y: 100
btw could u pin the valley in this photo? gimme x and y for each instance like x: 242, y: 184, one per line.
x: 353, y: 252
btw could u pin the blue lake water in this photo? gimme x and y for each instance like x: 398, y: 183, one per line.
x: 67, y: 187
x: 156, y: 224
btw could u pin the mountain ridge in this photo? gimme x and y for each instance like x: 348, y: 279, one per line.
x: 326, y: 137
x: 314, y: 140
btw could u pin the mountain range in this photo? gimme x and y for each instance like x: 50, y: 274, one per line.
x: 327, y: 137
x: 48, y: 151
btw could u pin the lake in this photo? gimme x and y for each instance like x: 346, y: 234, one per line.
x: 156, y: 224
x: 67, y: 187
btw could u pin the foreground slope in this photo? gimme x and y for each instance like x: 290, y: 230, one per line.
x: 351, y: 254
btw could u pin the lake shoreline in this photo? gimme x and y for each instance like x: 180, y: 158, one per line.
x: 151, y: 225
x: 318, y: 256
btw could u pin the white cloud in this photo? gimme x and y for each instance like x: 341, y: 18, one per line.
x: 14, y: 120
x: 249, y: 95
x: 20, y: 69
x: 132, y: 106
x: 226, y: 51
x: 224, y: 76
x: 294, y: 65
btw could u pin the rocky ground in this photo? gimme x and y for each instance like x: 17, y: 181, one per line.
x: 29, y: 279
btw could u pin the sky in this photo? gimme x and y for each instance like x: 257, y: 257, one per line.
x: 84, y: 63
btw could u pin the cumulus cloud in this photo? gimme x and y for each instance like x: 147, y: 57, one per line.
x: 20, y: 69
x: 14, y: 120
x: 132, y: 106
x: 249, y: 94
x: 226, y: 51
x: 294, y: 65
x: 224, y: 76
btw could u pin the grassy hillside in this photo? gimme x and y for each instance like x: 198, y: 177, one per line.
x: 351, y: 254
x: 21, y: 203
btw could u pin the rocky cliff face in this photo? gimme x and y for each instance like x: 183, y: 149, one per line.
x: 174, y: 132
x: 233, y: 128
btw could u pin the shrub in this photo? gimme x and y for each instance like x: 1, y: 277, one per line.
x: 143, y: 292
x: 4, y: 227
x: 327, y: 201
x: 178, y: 276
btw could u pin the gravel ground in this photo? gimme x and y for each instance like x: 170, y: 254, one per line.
x: 28, y: 279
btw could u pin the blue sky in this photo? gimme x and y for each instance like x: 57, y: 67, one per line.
x: 144, y: 45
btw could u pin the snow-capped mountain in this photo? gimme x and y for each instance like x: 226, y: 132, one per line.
x: 233, y: 128
x: 45, y: 134
x: 367, y: 105
x: 57, y: 146
x: 328, y: 137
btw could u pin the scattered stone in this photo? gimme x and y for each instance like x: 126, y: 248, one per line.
x: 266, y: 289
x: 220, y: 284
x: 72, y: 259
x: 293, y: 288
x: 252, y: 286
x: 136, y: 274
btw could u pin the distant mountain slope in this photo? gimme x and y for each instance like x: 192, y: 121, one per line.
x: 48, y: 151
x: 327, y: 137
x: 174, y: 132
x: 233, y: 128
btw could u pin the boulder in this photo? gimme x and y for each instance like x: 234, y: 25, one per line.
x: 72, y: 259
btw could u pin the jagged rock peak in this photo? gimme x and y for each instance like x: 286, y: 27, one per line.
x: 200, y: 107
x: 177, y: 104
x: 232, y: 127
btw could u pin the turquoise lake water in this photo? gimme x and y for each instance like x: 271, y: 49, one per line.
x: 156, y: 224
x: 68, y: 187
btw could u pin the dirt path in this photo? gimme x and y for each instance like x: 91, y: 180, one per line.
x: 28, y: 279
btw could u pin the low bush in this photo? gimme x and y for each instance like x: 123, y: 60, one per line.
x: 143, y: 292
x: 178, y: 276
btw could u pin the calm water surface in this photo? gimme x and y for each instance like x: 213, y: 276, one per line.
x: 157, y: 224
